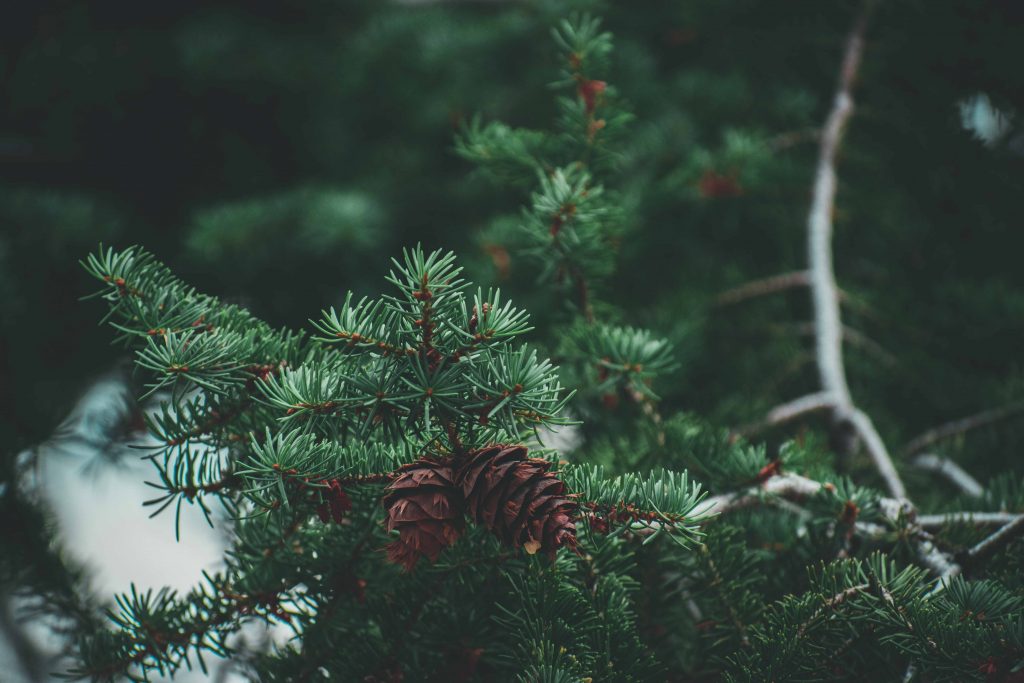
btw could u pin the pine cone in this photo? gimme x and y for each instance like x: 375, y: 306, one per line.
x: 425, y: 506
x: 518, y: 499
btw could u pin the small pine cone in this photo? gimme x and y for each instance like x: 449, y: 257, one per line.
x: 517, y: 498
x: 334, y: 503
x: 425, y: 506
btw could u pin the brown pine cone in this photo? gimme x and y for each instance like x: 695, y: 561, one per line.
x: 518, y: 499
x: 425, y: 505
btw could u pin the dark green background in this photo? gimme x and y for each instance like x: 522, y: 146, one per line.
x: 278, y: 154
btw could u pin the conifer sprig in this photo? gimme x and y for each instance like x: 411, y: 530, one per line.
x: 294, y: 434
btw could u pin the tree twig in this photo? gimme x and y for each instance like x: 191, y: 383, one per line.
x: 796, y: 487
x: 981, y: 552
x: 991, y: 545
x: 821, y: 278
x: 858, y: 339
x: 768, y: 285
x: 955, y: 474
x: 790, y: 411
x: 976, y: 518
x: 879, y: 455
x: 786, y: 140
x: 956, y: 427
x: 824, y: 290
x: 830, y: 604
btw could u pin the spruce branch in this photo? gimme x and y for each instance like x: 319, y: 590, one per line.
x: 365, y: 324
x: 626, y: 357
x: 717, y: 583
x: 829, y: 605
x: 192, y: 478
x: 160, y: 632
x: 395, y: 389
x: 645, y: 505
x: 570, y: 221
x: 197, y: 420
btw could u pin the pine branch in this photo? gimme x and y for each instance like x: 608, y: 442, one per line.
x: 646, y: 505
x: 717, y: 580
x: 847, y: 645
x: 159, y: 631
x: 829, y: 605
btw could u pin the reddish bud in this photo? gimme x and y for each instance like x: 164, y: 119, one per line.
x: 849, y: 513
x: 769, y: 471
x: 588, y: 91
x: 713, y: 185
x: 338, y: 501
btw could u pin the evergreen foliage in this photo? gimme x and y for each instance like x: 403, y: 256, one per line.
x: 660, y: 545
x: 297, y: 435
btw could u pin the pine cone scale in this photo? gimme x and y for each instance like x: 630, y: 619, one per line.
x: 519, y: 503
x: 518, y: 498
x: 426, y: 509
x: 499, y: 480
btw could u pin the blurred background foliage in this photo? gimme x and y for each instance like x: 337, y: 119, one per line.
x: 277, y: 154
